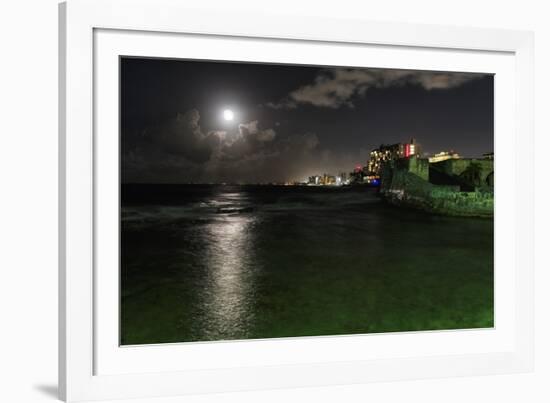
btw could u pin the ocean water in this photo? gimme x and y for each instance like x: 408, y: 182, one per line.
x: 225, y: 262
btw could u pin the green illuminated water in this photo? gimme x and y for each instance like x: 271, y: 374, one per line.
x: 240, y: 262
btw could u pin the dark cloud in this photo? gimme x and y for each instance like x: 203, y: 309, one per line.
x: 183, y: 137
x: 334, y: 88
x: 181, y: 152
x: 250, y: 130
x: 304, y: 142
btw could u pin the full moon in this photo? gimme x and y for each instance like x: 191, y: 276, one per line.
x: 228, y: 114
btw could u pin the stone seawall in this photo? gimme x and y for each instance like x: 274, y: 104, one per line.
x: 404, y: 188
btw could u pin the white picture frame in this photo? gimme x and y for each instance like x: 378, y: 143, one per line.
x: 94, y: 32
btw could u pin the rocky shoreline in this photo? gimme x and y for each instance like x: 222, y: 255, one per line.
x: 407, y: 184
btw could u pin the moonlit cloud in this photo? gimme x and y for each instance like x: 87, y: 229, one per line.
x: 183, y: 137
x: 180, y: 152
x: 251, y: 129
x: 336, y: 88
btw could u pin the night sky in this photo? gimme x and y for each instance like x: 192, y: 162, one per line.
x: 290, y: 122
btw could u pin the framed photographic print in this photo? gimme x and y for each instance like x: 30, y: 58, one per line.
x: 245, y: 208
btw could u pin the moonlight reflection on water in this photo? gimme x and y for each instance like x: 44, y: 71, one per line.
x: 228, y: 286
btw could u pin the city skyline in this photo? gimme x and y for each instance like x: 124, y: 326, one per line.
x: 214, y: 122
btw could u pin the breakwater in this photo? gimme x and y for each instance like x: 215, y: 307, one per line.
x: 407, y: 183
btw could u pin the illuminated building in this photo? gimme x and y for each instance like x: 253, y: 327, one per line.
x: 329, y: 179
x: 314, y: 180
x: 342, y: 179
x: 391, y: 152
x: 444, y: 155
x: 372, y: 179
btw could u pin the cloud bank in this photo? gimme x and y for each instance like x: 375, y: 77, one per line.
x: 179, y: 151
x: 335, y: 88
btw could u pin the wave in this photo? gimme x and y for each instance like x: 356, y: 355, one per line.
x: 239, y: 203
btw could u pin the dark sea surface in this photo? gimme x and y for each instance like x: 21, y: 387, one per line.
x: 224, y: 262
